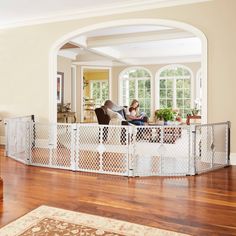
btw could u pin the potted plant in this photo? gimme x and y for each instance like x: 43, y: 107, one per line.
x: 165, y: 115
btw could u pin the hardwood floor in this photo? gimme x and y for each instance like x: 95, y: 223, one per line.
x: 199, y: 205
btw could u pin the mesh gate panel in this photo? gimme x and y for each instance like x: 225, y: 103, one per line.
x: 52, y: 145
x: 103, y: 149
x: 162, y: 150
x: 211, y: 147
x: 120, y: 150
x: 18, y: 138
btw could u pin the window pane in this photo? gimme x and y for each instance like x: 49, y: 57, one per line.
x: 148, y: 85
x: 169, y: 83
x: 187, y: 103
x: 169, y: 93
x: 132, y: 88
x: 163, y: 73
x: 187, y: 83
x: 141, y: 93
x: 148, y: 94
x: 179, y: 103
x: 162, y: 93
x: 162, y: 83
x: 141, y: 104
x: 147, y: 103
x: 141, y: 84
x: 179, y: 93
x: 187, y: 93
x: 162, y: 103
x: 169, y: 103
x: 148, y: 112
x: 179, y: 83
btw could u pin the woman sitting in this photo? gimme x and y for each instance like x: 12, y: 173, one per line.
x: 133, y: 116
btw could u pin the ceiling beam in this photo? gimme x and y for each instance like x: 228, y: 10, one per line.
x: 69, y: 46
x: 111, y: 40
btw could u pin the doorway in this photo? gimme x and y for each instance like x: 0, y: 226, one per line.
x: 95, y: 91
x: 131, y: 23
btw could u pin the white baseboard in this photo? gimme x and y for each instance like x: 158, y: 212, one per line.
x: 2, y: 140
x: 233, y: 159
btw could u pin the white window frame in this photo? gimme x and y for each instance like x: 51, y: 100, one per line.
x: 97, y: 81
x: 120, y: 85
x: 158, y: 78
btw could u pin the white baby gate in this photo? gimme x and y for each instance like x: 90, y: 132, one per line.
x: 119, y: 150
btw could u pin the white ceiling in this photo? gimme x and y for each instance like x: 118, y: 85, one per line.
x: 135, y: 45
x: 159, y: 49
x: 126, y: 30
x: 15, y: 13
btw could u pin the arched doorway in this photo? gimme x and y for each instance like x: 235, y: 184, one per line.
x: 130, y: 22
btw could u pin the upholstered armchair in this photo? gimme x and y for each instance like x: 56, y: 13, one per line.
x: 104, y: 119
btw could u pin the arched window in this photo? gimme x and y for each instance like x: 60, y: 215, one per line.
x: 135, y: 83
x: 174, y: 88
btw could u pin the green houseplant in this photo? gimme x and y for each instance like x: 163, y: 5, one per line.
x: 165, y: 114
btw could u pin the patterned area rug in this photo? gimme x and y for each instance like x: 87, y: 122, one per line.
x: 49, y: 221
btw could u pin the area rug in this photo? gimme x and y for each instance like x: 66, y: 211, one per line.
x: 50, y: 221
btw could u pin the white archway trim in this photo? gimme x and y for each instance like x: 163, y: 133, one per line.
x: 158, y: 77
x: 127, y: 22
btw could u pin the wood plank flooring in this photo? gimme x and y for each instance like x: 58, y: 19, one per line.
x: 199, y: 205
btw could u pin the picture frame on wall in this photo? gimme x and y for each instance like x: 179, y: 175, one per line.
x: 60, y: 87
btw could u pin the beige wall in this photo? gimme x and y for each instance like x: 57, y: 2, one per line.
x: 25, y: 87
x: 64, y: 65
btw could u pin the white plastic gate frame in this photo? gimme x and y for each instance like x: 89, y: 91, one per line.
x: 210, y: 151
x: 119, y: 150
x: 17, y: 133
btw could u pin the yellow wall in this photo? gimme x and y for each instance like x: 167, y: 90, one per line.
x: 94, y: 75
x: 24, y: 58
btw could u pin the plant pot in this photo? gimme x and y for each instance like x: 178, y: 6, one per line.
x: 159, y: 122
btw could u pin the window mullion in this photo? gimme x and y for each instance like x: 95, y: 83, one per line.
x: 127, y: 93
x: 136, y: 89
x: 174, y: 93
